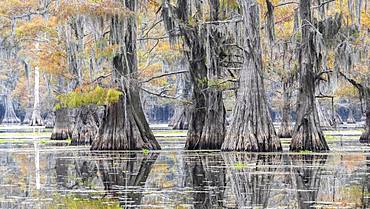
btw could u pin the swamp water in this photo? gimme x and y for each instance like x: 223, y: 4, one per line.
x: 44, y: 175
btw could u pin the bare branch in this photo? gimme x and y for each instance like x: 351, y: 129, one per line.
x: 163, y: 75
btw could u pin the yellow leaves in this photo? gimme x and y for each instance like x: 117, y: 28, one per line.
x: 52, y: 58
x: 13, y: 8
x: 36, y: 25
x: 88, y: 96
x: 91, y: 7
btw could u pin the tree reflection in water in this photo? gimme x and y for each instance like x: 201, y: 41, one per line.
x: 206, y: 174
x: 251, y: 177
x: 124, y: 175
x: 308, y: 170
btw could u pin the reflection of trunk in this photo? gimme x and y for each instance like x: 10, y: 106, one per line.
x: 9, y: 116
x: 61, y: 169
x: 286, y: 126
x: 251, y: 184
x: 251, y: 128
x: 366, y: 198
x: 308, y: 169
x: 36, y: 119
x: 207, y: 175
x: 86, y: 126
x: 307, y: 132
x: 126, y: 171
x: 61, y: 128
x: 124, y: 126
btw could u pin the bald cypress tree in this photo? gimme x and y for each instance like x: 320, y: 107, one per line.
x: 307, y: 134
x: 124, y: 126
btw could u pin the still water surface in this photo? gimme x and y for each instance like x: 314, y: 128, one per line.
x: 44, y: 176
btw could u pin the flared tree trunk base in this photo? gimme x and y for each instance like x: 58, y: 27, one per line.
x: 87, y: 125
x: 365, y: 137
x: 61, y: 129
x: 308, y: 136
x: 180, y: 120
x: 210, y: 133
x: 36, y: 120
x: 124, y: 127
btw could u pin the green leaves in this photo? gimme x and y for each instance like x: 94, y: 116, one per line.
x: 89, y: 96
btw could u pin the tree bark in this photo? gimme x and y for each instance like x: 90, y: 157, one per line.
x: 181, y: 116
x: 9, y: 116
x: 88, y: 119
x: 286, y: 125
x: 365, y: 137
x: 36, y: 119
x: 207, y: 113
x: 61, y: 129
x: 307, y: 132
x: 50, y: 120
x: 251, y: 128
x: 124, y: 126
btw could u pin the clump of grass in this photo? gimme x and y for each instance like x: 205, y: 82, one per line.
x: 75, y: 202
x: 239, y: 165
x: 145, y: 151
x: 305, y: 152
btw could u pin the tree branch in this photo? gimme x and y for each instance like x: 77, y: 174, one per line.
x: 163, y: 75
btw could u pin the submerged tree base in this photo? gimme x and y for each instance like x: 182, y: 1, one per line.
x: 124, y: 128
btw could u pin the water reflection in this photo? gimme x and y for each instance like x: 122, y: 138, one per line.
x: 206, y: 174
x: 251, y: 177
x: 180, y: 179
x: 124, y: 176
x: 308, y: 170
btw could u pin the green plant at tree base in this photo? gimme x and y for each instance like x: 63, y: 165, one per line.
x: 88, y: 96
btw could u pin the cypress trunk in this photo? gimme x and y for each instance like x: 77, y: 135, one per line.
x: 307, y: 132
x: 251, y: 128
x: 36, y: 119
x: 61, y: 129
x: 9, y: 116
x: 286, y: 126
x: 86, y: 126
x: 365, y: 137
x: 124, y: 126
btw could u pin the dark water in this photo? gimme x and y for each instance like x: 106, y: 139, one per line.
x: 45, y: 176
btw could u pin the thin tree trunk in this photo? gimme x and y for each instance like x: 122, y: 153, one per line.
x: 307, y: 132
x: 251, y: 128
x: 36, y: 119
x: 61, y: 129
x: 365, y: 137
x: 124, y: 126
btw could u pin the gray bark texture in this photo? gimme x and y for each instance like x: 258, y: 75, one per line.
x: 61, y: 130
x: 124, y: 126
x: 307, y: 133
x: 251, y: 128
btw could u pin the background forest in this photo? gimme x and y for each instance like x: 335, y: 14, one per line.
x: 105, y: 67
